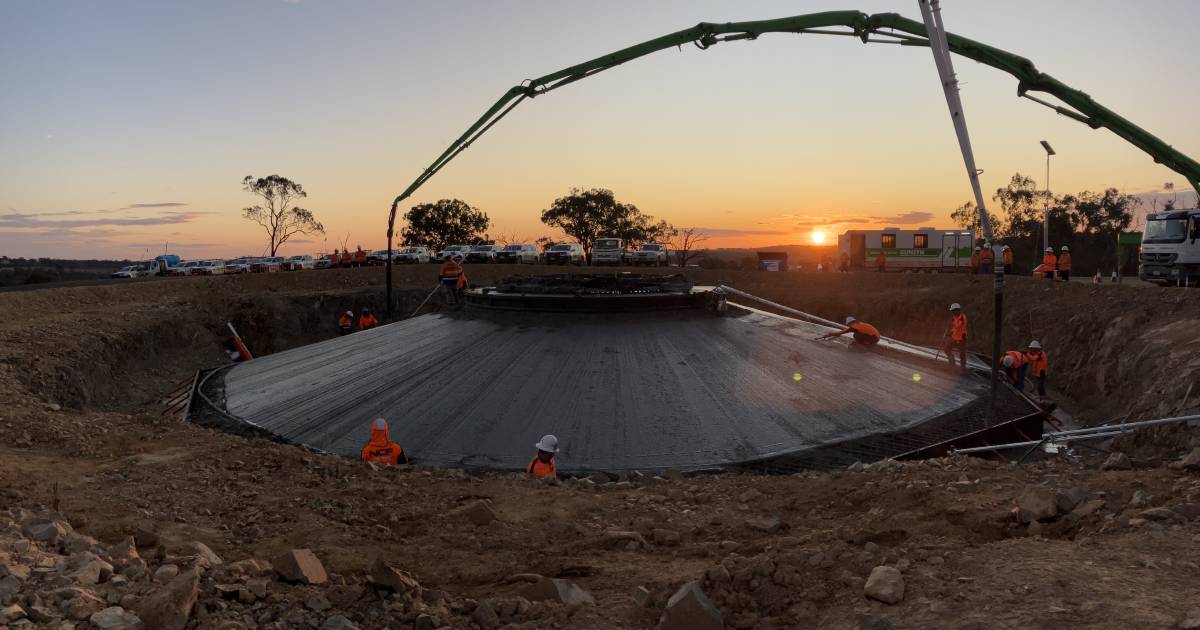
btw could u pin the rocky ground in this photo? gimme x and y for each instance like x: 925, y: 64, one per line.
x: 114, y: 516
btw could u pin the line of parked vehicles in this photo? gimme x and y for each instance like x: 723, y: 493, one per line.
x: 605, y: 251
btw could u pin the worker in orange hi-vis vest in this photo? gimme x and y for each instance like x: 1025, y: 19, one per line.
x: 1049, y: 263
x: 346, y: 258
x: 1064, y: 264
x: 957, y: 337
x: 865, y: 335
x: 1037, y: 364
x: 360, y: 257
x: 334, y: 259
x: 346, y: 323
x: 380, y: 449
x: 543, y: 466
x: 367, y: 320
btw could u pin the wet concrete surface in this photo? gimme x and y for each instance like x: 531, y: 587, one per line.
x: 685, y: 390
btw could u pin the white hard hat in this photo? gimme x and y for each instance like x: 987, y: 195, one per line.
x: 379, y: 424
x: 850, y: 320
x: 548, y: 443
x: 1007, y: 361
x: 976, y: 248
x: 955, y: 307
x: 1035, y: 344
x: 350, y: 313
x: 1065, y: 248
x: 1049, y: 250
x: 987, y: 244
x: 1006, y: 247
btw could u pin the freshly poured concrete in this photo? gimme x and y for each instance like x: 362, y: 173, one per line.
x: 679, y: 390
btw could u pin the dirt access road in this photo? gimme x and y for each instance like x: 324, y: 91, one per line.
x: 82, y: 371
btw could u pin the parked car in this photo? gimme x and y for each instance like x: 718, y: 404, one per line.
x: 609, y: 251
x: 184, y: 268
x: 322, y: 262
x: 237, y: 265
x: 518, y: 254
x: 564, y: 254
x: 208, y: 268
x: 412, y: 254
x: 266, y: 265
x: 132, y: 271
x: 452, y: 251
x: 651, y: 254
x: 296, y: 263
x: 482, y: 254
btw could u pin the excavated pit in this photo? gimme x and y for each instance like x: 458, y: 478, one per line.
x: 631, y: 372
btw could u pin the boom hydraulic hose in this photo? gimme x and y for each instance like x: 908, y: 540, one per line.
x: 889, y: 28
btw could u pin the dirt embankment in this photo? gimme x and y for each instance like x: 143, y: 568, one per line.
x: 1109, y: 549
x: 1115, y: 351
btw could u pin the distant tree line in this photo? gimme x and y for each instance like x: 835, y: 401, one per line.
x: 1087, y: 222
x: 582, y: 215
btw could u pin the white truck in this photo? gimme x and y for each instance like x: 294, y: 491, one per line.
x: 1170, y: 253
x: 651, y: 254
x: 609, y: 251
x: 451, y: 251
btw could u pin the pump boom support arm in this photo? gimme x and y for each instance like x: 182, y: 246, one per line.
x: 895, y: 28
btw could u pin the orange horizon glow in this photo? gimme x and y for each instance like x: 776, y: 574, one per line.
x: 756, y: 162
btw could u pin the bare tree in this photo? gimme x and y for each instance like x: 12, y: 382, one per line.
x: 278, y: 216
x: 685, y: 240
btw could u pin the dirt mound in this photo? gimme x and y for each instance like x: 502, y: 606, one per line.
x: 1084, y: 548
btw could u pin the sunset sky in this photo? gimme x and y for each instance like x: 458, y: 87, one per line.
x: 127, y: 125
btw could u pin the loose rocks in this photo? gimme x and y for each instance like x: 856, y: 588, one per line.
x: 300, y: 565
x: 690, y: 609
x: 885, y: 584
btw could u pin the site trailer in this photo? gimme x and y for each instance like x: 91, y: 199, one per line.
x: 924, y: 249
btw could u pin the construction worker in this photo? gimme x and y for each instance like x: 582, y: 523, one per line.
x: 346, y: 259
x: 957, y: 337
x: 1007, y: 257
x: 367, y: 320
x: 360, y: 257
x: 987, y: 258
x: 881, y: 262
x: 543, y: 466
x: 1049, y: 263
x: 1064, y: 264
x: 346, y: 323
x: 975, y: 261
x: 865, y: 335
x: 380, y: 449
x: 1036, y: 364
x: 1013, y: 361
x: 334, y: 258
x: 453, y: 277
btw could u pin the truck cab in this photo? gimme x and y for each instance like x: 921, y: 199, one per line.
x: 1170, y: 252
x: 609, y: 251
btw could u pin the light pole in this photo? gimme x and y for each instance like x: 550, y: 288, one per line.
x: 1046, y: 201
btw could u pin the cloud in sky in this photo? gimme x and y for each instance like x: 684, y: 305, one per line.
x: 174, y: 245
x: 737, y: 232
x: 20, y: 220
x: 907, y: 218
x: 167, y: 204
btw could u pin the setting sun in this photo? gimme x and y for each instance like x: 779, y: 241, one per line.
x: 818, y: 237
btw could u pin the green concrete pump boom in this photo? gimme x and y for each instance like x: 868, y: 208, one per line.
x: 888, y: 28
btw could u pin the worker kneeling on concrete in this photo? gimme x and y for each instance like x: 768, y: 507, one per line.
x: 865, y: 335
x: 380, y: 449
x: 1013, y: 361
x: 346, y: 323
x: 367, y: 320
x: 1036, y: 365
x: 543, y: 466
